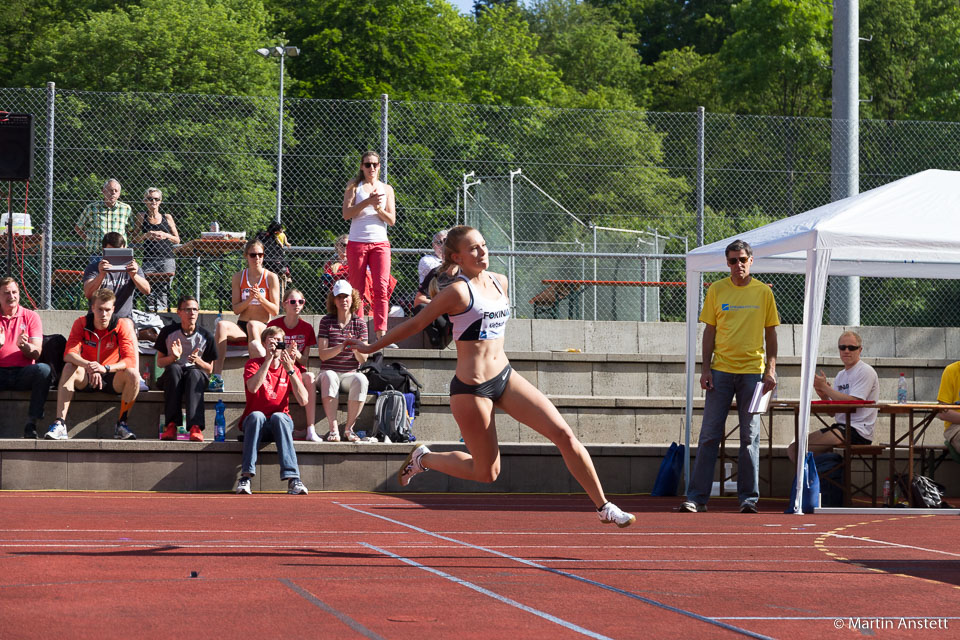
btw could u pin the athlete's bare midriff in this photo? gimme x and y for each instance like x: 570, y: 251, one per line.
x: 479, y: 360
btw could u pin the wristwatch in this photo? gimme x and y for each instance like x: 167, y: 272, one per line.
x: 106, y: 368
x: 290, y: 370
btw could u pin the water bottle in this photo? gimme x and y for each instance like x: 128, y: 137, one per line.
x: 215, y: 226
x: 182, y: 429
x: 220, y: 422
x: 902, y: 390
x: 886, y: 491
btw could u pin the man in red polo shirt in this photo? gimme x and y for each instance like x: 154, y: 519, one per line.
x: 21, y: 335
x: 268, y: 383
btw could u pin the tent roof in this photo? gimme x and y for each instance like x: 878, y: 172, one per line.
x: 906, y: 228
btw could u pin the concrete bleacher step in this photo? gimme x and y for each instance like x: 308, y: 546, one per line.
x: 140, y: 465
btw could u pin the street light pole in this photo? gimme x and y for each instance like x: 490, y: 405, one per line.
x: 279, y: 52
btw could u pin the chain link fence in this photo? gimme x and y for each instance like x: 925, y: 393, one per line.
x: 589, y: 211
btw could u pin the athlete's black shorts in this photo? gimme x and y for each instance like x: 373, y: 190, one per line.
x: 492, y: 388
x: 855, y: 437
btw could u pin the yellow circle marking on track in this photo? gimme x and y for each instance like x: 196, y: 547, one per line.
x: 820, y: 545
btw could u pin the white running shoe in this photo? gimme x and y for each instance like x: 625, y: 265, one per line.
x: 296, y: 488
x: 57, y: 431
x: 412, y: 465
x: 243, y: 486
x: 611, y: 513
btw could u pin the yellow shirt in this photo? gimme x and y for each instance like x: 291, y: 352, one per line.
x: 740, y: 315
x: 949, y: 392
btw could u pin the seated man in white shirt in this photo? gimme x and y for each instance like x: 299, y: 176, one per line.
x: 856, y: 382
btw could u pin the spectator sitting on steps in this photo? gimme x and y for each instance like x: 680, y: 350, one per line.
x: 268, y: 383
x: 21, y: 337
x: 255, y: 295
x: 187, y: 352
x: 100, y: 356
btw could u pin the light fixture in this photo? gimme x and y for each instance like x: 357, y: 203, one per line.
x: 279, y: 51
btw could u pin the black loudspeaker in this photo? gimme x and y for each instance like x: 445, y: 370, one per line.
x: 16, y: 146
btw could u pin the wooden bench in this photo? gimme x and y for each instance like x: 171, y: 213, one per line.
x: 546, y: 304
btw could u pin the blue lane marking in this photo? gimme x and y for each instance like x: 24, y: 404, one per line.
x: 565, y: 574
x: 496, y: 596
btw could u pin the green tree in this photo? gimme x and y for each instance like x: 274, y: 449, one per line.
x: 196, y: 46
x: 358, y: 50
x: 595, y: 58
x: 777, y: 61
x: 667, y: 25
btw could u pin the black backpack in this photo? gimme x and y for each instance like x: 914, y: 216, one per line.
x: 391, y: 419
x: 382, y: 376
x: 929, y: 494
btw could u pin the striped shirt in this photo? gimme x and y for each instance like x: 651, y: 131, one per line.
x: 330, y: 328
x: 98, y: 219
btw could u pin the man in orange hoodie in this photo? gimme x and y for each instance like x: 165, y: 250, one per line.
x: 100, y: 356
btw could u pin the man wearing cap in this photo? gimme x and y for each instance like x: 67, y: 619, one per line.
x: 338, y: 366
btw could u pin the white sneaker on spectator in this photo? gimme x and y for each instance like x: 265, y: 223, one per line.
x: 243, y: 486
x: 296, y: 488
x: 57, y: 431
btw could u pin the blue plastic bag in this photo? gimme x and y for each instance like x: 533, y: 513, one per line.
x: 668, y: 477
x: 810, y: 496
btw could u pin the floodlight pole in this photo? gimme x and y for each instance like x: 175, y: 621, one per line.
x: 280, y: 140
x: 281, y: 51
x: 845, y: 142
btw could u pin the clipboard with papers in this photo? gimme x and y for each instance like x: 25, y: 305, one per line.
x: 760, y: 401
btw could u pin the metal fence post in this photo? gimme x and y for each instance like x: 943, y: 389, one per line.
x: 701, y: 170
x: 46, y: 285
x: 384, y: 134
x: 513, y: 245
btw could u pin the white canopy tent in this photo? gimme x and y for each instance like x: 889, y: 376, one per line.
x: 905, y: 229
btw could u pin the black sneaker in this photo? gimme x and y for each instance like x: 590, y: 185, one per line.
x: 748, y: 507
x: 30, y: 432
x: 692, y: 507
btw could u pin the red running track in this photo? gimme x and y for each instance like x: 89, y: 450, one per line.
x: 358, y: 565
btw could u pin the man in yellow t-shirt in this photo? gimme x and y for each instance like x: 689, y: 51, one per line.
x: 949, y: 393
x: 740, y: 315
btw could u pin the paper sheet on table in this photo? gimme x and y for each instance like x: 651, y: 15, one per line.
x: 760, y: 400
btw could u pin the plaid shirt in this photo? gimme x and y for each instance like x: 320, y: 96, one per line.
x: 98, y: 220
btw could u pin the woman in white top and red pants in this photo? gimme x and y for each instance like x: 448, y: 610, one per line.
x: 370, y: 206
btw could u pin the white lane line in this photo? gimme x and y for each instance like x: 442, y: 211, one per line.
x: 841, y: 617
x: 572, y: 576
x: 496, y: 596
x: 312, y: 532
x: 893, y: 544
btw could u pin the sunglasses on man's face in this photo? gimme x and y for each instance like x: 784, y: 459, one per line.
x: 847, y: 347
x: 740, y: 259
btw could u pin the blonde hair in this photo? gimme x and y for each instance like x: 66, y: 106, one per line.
x: 854, y: 335
x: 452, y: 244
x: 152, y: 190
x: 269, y: 332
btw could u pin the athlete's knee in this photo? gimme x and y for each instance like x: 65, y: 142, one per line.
x: 487, y: 474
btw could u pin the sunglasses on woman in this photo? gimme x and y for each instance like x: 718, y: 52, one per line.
x: 371, y: 165
x: 296, y: 302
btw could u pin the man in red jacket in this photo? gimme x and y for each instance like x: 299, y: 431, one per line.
x: 100, y: 356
